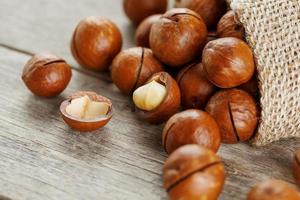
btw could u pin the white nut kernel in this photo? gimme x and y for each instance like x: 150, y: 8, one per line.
x: 85, y: 108
x: 149, y: 96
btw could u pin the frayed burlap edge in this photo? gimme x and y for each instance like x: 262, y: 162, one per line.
x: 273, y: 32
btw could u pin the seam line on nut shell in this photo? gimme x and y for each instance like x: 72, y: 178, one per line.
x: 232, y: 123
x: 192, y: 173
x: 55, y: 61
x: 139, y: 71
x: 186, y: 71
x: 166, y: 137
x: 178, y: 14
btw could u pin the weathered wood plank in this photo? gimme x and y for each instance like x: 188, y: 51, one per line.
x: 47, y: 26
x: 41, y: 158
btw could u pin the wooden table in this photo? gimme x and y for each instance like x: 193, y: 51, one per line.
x: 41, y: 158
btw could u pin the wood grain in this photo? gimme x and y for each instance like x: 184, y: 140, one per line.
x: 41, y: 158
x: 47, y: 26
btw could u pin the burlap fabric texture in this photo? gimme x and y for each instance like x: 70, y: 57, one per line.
x: 273, y: 32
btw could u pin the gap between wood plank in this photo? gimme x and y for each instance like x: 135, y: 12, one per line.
x: 28, y: 53
x: 16, y: 49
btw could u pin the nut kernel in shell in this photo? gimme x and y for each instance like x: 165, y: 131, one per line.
x: 85, y: 108
x: 86, y: 111
x: 149, y: 96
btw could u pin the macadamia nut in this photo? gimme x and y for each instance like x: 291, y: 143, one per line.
x: 149, y: 96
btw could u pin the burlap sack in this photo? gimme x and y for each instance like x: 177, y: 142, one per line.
x: 273, y: 32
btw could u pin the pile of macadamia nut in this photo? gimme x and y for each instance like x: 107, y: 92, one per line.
x: 191, y: 69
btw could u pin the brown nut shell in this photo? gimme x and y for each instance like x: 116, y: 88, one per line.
x: 273, y: 190
x: 236, y: 113
x: 195, y: 88
x: 296, y: 166
x: 95, y: 42
x: 193, y: 172
x: 142, y: 32
x: 191, y: 127
x: 228, y: 62
x: 170, y: 104
x: 138, y: 10
x: 86, y: 125
x: 210, y: 10
x: 46, y: 75
x: 178, y: 37
x: 229, y: 26
x: 132, y: 67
